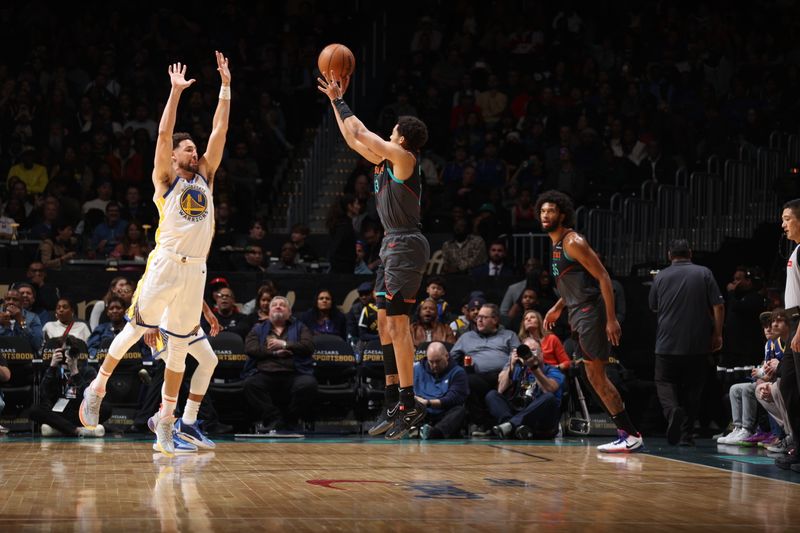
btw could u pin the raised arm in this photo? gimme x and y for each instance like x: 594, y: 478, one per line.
x: 332, y: 88
x: 162, y: 167
x: 210, y: 161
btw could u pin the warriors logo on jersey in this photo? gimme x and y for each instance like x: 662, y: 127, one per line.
x: 194, y: 203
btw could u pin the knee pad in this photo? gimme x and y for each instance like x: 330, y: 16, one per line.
x: 177, y: 348
x: 126, y: 338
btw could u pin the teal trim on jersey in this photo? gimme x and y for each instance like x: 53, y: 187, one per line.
x: 391, y: 175
x: 566, y: 255
x: 380, y: 294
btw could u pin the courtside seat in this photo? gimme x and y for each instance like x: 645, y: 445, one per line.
x: 19, y: 392
x: 337, y: 376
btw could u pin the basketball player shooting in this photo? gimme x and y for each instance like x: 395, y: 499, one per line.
x: 404, y: 251
x: 175, y: 274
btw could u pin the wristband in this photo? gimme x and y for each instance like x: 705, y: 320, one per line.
x: 225, y: 92
x: 342, y: 108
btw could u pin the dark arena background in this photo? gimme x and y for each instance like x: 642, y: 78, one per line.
x: 660, y: 120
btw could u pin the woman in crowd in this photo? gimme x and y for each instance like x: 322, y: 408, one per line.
x: 133, y: 245
x: 119, y: 286
x: 324, y: 318
x: 65, y: 323
x: 553, y: 352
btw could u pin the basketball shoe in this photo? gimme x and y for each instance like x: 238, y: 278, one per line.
x: 405, y: 420
x: 89, y: 411
x: 191, y: 433
x: 624, y: 444
x: 385, y: 420
x: 179, y: 446
x: 163, y: 427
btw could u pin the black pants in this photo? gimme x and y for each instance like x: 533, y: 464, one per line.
x: 790, y: 382
x: 679, y: 383
x: 480, y: 383
x: 449, y: 422
x: 541, y: 415
x: 67, y: 421
x: 281, y: 397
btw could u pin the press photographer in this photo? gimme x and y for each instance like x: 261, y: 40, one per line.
x: 60, y: 395
x: 527, y: 401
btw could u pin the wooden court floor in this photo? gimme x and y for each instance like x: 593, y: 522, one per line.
x: 318, y: 485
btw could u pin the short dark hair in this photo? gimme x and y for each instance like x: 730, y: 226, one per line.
x: 179, y: 137
x: 680, y: 248
x: 493, y: 308
x: 414, y: 130
x: 301, y: 228
x: 439, y: 280
x: 562, y: 201
x: 118, y: 300
x: 794, y: 205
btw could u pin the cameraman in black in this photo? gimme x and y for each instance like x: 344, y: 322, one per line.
x: 60, y: 395
x: 527, y: 401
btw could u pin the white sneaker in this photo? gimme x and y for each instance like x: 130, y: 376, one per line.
x: 89, y: 411
x: 624, y: 444
x: 50, y: 431
x: 98, y: 431
x: 3, y: 429
x: 163, y: 427
x: 734, y: 436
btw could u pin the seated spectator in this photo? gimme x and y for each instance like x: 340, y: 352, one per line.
x: 361, y: 259
x: 465, y: 251
x: 59, y: 247
x: 287, y: 263
x: 46, y: 295
x: 33, y: 174
x: 466, y: 321
x: 64, y: 381
x: 253, y: 259
x: 51, y: 212
x: 27, y: 297
x: 13, y: 217
x: 441, y: 385
x: 437, y: 290
x: 744, y: 401
x: 427, y: 328
x: 65, y: 323
x: 514, y: 290
x: 121, y: 287
x: 527, y: 401
x: 133, y: 244
x: 282, y: 387
x: 341, y: 251
x: 489, y: 347
x: 135, y: 208
x: 354, y: 314
x: 528, y: 301
x: 104, y: 195
x: 299, y: 235
x: 115, y: 311
x: 324, y: 318
x: 523, y: 214
x: 553, y: 352
x: 108, y: 233
x: 16, y: 322
x: 264, y: 296
x: 228, y: 315
x: 496, y: 266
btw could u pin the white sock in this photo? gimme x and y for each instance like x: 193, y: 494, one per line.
x: 99, y: 383
x: 168, y: 404
x: 190, y: 412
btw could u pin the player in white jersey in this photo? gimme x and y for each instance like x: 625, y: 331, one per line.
x: 175, y: 274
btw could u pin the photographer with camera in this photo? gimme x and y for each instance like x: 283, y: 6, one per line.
x: 60, y: 395
x: 528, y: 396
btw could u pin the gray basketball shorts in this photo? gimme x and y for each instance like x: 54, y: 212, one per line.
x: 403, y: 259
x: 589, y: 321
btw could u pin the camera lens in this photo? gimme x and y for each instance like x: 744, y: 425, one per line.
x: 524, y: 351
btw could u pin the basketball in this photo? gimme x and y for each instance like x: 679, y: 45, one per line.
x: 337, y: 58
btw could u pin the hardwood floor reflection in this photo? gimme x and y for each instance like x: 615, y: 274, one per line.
x: 117, y: 485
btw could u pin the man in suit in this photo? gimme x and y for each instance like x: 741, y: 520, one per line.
x: 496, y: 266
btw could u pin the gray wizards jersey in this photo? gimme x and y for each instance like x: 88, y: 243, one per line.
x: 398, y: 201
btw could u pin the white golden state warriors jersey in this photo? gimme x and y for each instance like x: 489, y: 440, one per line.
x: 186, y: 217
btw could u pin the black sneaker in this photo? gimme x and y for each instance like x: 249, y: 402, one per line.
x: 385, y: 420
x: 785, y: 462
x: 405, y: 420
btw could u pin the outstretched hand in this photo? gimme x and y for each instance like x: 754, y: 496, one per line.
x: 331, y: 85
x: 177, y: 76
x: 222, y: 68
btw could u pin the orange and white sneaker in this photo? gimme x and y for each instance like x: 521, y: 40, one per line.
x: 624, y: 444
x: 89, y: 411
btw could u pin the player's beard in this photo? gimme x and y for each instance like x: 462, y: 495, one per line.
x: 189, y: 166
x: 554, y: 226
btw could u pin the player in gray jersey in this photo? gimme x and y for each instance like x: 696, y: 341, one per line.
x: 404, y: 251
x: 586, y: 292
